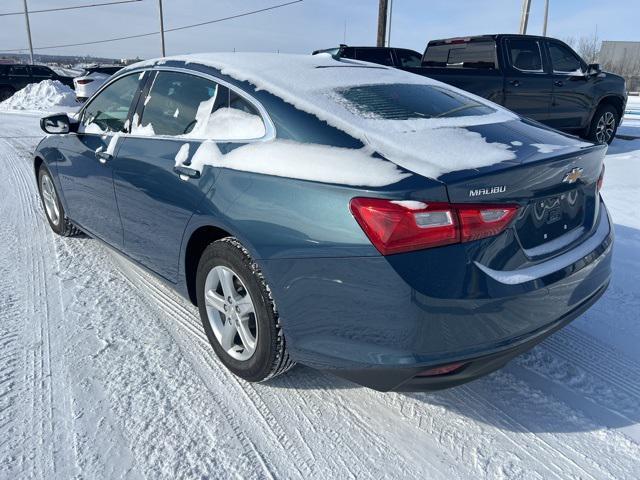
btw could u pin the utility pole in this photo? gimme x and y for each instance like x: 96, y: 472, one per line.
x: 161, y: 28
x: 390, y: 23
x: 26, y: 16
x: 382, y: 23
x: 546, y: 18
x: 524, y: 19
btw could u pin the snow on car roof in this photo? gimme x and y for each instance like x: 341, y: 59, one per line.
x: 427, y: 146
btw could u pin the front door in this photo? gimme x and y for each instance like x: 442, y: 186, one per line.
x: 86, y: 171
x: 527, y: 84
x: 572, y: 88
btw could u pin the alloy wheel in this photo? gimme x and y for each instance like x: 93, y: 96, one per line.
x: 606, y: 127
x: 50, y: 199
x: 231, y: 313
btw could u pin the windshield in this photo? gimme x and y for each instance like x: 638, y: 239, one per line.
x: 406, y: 101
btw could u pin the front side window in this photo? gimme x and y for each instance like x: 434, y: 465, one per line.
x: 108, y: 111
x: 408, y: 102
x: 184, y: 105
x: 407, y: 58
x: 525, y: 55
x: 563, y: 59
x: 41, y: 72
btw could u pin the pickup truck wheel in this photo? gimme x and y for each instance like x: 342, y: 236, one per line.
x: 238, y: 313
x: 6, y: 92
x: 604, y: 125
x: 53, y: 209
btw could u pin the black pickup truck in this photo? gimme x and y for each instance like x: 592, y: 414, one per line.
x: 538, y: 77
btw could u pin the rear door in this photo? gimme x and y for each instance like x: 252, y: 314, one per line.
x: 572, y: 88
x: 159, y: 178
x: 528, y: 86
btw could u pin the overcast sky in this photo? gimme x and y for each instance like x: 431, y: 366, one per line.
x: 302, y: 27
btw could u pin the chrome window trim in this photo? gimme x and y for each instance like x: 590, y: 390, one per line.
x: 270, y: 129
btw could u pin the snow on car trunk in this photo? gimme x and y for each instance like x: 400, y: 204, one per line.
x: 45, y: 95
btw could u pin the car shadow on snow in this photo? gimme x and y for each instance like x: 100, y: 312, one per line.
x: 582, y: 378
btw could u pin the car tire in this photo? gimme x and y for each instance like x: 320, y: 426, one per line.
x: 238, y: 313
x: 6, y: 92
x: 52, y: 206
x: 604, y: 125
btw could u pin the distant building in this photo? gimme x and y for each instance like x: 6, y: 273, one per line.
x: 622, y: 58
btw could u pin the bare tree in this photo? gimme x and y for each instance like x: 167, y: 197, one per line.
x: 588, y: 47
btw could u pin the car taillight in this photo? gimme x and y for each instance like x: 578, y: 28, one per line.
x: 403, y: 226
x: 600, y: 179
x: 84, y: 81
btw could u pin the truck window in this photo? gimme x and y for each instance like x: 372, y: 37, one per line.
x: 564, y: 60
x: 461, y: 55
x: 381, y: 56
x: 525, y: 55
x: 407, y: 58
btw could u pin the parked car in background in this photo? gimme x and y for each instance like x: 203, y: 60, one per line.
x: 92, y: 79
x: 538, y: 77
x: 392, y: 57
x: 391, y: 229
x: 14, y: 77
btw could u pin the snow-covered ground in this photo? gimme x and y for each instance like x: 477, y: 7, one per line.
x: 104, y: 373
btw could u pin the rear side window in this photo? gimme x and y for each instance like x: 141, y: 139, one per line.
x: 186, y: 105
x: 525, y: 55
x: 19, y: 70
x: 173, y: 103
x: 407, y: 58
x: 474, y: 54
x: 374, y: 55
x: 108, y: 111
x: 564, y: 60
x: 407, y: 102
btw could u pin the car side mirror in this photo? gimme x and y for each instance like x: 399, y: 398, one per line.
x: 56, y: 124
x: 594, y: 69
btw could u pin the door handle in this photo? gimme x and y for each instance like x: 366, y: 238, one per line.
x: 515, y: 83
x: 559, y: 83
x: 103, y: 157
x: 186, y: 172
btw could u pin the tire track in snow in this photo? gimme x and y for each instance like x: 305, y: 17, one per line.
x: 168, y: 304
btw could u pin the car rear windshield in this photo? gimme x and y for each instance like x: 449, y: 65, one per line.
x: 407, y: 101
x: 465, y: 54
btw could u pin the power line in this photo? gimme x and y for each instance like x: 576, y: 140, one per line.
x: 175, y: 29
x: 59, y: 9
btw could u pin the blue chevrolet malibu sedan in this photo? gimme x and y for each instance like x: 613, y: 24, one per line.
x: 388, y: 228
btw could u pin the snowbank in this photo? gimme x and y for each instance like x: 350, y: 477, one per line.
x: 41, y: 96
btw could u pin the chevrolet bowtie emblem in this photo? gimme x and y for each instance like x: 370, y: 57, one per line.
x: 573, y: 176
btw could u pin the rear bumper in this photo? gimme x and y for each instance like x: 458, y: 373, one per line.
x: 379, y: 321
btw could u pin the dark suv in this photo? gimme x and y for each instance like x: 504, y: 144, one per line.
x: 14, y: 77
x: 393, y: 57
